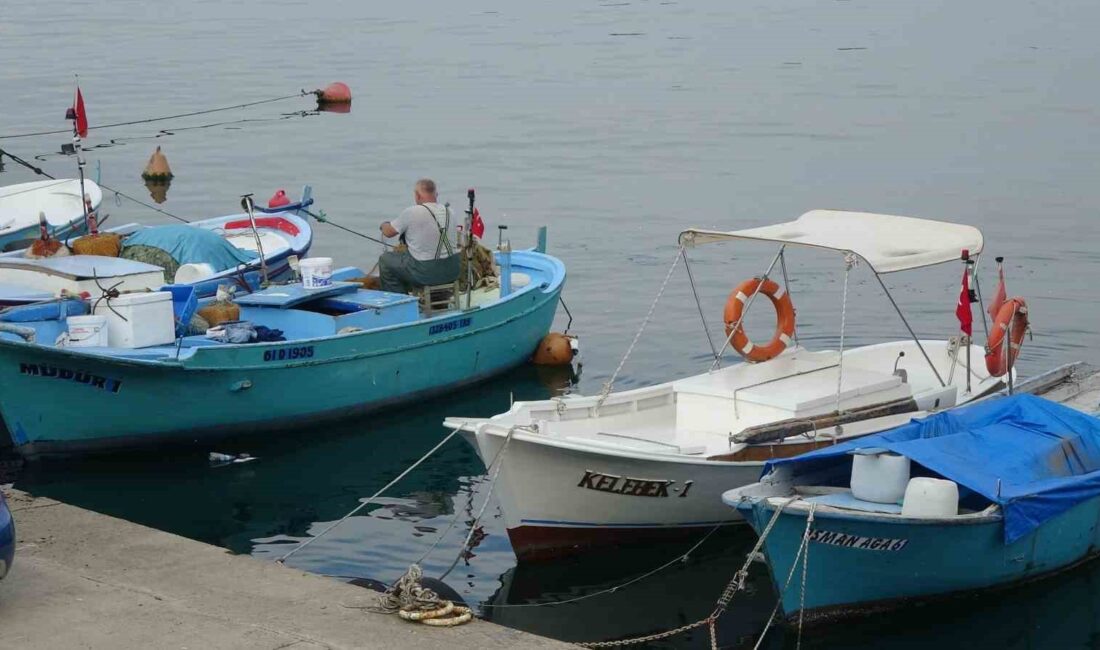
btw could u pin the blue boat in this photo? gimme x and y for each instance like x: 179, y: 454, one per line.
x: 7, y: 538
x: 1027, y: 474
x: 347, y: 351
x: 57, y: 200
x: 203, y: 254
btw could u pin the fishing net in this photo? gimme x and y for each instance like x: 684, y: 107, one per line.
x: 154, y: 256
x: 107, y: 244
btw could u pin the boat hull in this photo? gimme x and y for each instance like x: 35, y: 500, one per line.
x: 560, y: 500
x: 60, y: 401
x: 867, y: 563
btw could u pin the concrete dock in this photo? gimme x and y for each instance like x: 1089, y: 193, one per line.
x: 86, y: 580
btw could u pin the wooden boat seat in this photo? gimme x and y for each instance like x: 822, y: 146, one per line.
x: 438, y: 298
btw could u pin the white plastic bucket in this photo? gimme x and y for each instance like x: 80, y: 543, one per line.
x: 930, y: 498
x: 316, y: 272
x: 191, y: 273
x: 879, y: 478
x: 87, y: 331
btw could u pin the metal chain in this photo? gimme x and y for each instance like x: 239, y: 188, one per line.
x: 736, y: 584
x: 611, y: 382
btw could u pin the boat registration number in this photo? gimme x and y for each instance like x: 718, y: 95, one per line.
x: 449, y: 326
x: 284, y: 354
x: 857, y: 541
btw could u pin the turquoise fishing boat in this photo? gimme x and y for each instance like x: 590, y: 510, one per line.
x: 983, y: 497
x: 346, y: 351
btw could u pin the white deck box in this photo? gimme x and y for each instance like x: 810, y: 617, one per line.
x: 148, y: 319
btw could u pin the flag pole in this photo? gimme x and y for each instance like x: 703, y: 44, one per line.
x: 76, y: 146
x: 969, y: 273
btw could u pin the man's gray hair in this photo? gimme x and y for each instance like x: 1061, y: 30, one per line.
x: 426, y: 185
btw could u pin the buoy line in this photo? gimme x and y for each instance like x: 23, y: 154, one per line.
x: 301, y: 93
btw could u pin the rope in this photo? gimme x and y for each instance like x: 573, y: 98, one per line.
x: 498, y: 460
x: 736, y: 584
x: 302, y: 93
x: 415, y: 602
x: 683, y: 557
x: 645, y: 321
x: 803, y: 551
x: 38, y: 170
x: 143, y: 203
x: 850, y: 262
x: 699, y: 304
x: 283, y: 559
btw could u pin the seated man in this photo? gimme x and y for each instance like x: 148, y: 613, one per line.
x: 428, y: 259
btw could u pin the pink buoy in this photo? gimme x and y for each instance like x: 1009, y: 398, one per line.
x: 278, y: 200
x: 335, y: 93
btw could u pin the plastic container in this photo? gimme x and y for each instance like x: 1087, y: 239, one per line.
x: 190, y: 273
x: 316, y: 272
x: 148, y: 319
x: 930, y: 498
x: 880, y: 478
x: 185, y: 303
x: 87, y: 331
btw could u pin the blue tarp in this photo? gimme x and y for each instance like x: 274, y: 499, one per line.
x: 1034, y: 457
x: 191, y: 245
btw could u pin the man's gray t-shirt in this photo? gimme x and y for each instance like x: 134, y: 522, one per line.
x: 421, y: 230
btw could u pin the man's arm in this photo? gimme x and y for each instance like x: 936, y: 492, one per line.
x: 388, y: 230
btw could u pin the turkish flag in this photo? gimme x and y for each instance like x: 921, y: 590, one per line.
x: 1000, y: 297
x: 962, y: 309
x: 477, y: 226
x: 81, y: 117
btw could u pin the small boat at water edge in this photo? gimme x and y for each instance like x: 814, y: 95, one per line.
x: 59, y: 201
x: 343, y: 351
x: 202, y: 253
x: 652, y: 463
x: 981, y: 497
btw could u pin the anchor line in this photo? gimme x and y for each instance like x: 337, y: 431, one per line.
x: 370, y: 500
x: 301, y: 93
x: 39, y: 171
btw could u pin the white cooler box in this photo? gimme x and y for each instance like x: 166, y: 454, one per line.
x: 149, y: 319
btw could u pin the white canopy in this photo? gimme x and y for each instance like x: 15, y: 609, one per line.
x: 887, y: 243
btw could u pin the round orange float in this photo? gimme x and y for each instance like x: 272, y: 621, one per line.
x: 998, y: 361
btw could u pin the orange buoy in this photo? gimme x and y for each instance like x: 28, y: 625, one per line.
x: 554, y: 350
x: 998, y: 361
x: 784, y: 319
x: 335, y: 93
x: 278, y: 200
x: 157, y: 169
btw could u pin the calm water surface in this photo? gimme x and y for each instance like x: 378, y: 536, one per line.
x: 617, y: 124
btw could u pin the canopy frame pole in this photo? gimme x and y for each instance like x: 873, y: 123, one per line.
x: 699, y: 305
x: 748, y: 305
x: 908, y: 327
x: 787, y: 286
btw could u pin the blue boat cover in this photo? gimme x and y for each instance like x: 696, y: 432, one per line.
x: 1034, y: 457
x: 191, y: 245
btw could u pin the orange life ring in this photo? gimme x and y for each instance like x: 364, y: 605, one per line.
x: 784, y: 319
x: 997, y: 361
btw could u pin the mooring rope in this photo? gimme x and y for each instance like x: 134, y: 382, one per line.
x: 637, y: 335
x: 162, y: 118
x: 803, y: 554
x: 850, y: 261
x: 736, y: 584
x: 370, y: 500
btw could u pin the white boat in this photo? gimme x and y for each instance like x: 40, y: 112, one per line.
x: 279, y: 233
x: 651, y: 462
x: 59, y: 200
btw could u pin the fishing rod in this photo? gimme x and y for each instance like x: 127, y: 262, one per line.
x: 323, y: 218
